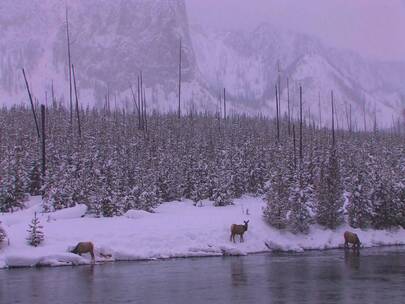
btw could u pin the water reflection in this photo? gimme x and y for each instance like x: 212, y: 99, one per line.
x: 352, y: 258
x: 312, y: 277
x: 238, y: 274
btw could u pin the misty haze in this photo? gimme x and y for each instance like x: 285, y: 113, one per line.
x: 257, y: 133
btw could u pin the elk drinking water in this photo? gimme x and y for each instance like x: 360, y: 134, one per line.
x: 351, y: 238
x: 84, y: 247
x: 3, y: 235
x: 238, y: 229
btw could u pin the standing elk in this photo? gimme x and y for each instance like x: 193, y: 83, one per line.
x: 238, y: 229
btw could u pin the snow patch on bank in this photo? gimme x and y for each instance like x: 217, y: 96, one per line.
x: 176, y: 229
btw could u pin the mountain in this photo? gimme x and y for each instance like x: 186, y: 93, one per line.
x: 112, y: 41
x: 247, y: 65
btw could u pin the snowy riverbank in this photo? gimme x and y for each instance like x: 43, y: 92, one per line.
x: 177, y: 229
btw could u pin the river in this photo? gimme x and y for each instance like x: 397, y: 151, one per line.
x: 375, y: 275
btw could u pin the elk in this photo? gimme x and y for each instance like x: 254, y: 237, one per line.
x: 351, y: 238
x: 238, y: 229
x: 3, y: 235
x: 84, y: 247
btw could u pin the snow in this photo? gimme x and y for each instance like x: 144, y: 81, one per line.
x: 136, y: 214
x: 69, y: 213
x: 175, y: 229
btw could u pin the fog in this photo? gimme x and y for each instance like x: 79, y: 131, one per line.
x: 373, y: 28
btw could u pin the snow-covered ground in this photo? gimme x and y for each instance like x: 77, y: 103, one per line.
x: 176, y: 229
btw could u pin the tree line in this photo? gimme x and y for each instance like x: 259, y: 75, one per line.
x: 307, y: 174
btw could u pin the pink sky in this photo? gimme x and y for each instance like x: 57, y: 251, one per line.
x: 374, y: 28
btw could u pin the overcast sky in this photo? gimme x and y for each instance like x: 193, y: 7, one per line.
x: 374, y: 28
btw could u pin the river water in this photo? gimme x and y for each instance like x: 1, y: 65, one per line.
x: 333, y: 276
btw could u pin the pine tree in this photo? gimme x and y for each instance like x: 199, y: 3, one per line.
x: 148, y: 199
x: 359, y: 207
x: 35, y: 234
x: 13, y: 184
x: 221, y: 194
x: 399, y: 201
x: 298, y: 217
x: 277, y: 199
x: 329, y: 205
x: 386, y: 212
x: 35, y: 179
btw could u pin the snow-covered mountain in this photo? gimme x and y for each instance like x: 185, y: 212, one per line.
x: 112, y: 41
x: 247, y: 65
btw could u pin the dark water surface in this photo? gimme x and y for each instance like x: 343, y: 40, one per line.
x: 334, y: 276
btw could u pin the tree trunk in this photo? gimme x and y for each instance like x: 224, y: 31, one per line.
x: 43, y: 156
x: 79, y: 128
x: 32, y: 104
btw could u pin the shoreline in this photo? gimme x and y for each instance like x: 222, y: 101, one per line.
x: 291, y: 253
x: 175, y: 230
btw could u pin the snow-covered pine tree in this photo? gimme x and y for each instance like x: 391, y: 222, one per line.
x: 298, y: 216
x: 7, y: 199
x: 399, y: 201
x: 35, y: 234
x: 222, y: 193
x: 12, y: 184
x: 277, y: 199
x: 35, y: 178
x: 131, y: 200
x: 386, y: 212
x: 148, y: 199
x: 329, y: 194
x: 359, y: 207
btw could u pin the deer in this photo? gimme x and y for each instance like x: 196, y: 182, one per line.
x: 3, y: 235
x: 84, y: 247
x: 238, y: 229
x: 351, y: 238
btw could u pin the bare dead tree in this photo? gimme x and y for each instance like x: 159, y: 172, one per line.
x: 294, y: 146
x: 142, y: 101
x: 224, y: 105
x: 145, y: 113
x: 32, y: 104
x: 333, y: 119
x: 219, y: 111
x: 79, y: 127
x: 69, y: 63
x: 277, y: 116
x: 179, y: 109
x: 136, y: 105
x: 43, y: 155
x: 53, y: 93
x: 319, y: 109
x: 301, y: 154
x: 288, y: 106
x: 139, y: 105
x: 279, y: 84
x: 108, y: 106
x: 375, y: 118
x: 348, y: 116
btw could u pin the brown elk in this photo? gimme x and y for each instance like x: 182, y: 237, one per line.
x: 84, y: 247
x: 3, y: 235
x: 238, y: 229
x: 351, y: 238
